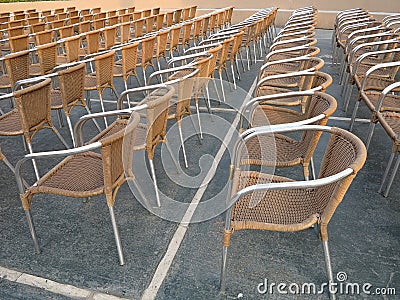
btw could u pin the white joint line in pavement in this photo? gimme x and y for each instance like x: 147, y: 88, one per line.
x: 53, y: 286
x: 173, y: 247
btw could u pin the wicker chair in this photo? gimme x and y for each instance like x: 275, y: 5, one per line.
x: 145, y: 55
x: 31, y: 114
x: 183, y: 81
x: 296, y: 81
x: 370, y: 94
x: 289, y: 151
x: 102, y: 78
x: 161, y: 47
x: 292, y: 53
x: 126, y: 67
x: 153, y: 131
x: 386, y: 112
x: 83, y: 173
x: 267, y: 202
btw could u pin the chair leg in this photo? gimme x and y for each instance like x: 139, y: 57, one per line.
x: 116, y: 235
x: 208, y: 102
x: 153, y: 174
x: 237, y: 68
x: 32, y: 230
x: 35, y: 167
x: 94, y: 121
x: 60, y: 137
x: 233, y: 75
x: 347, y: 97
x: 222, y: 85
x: 396, y: 167
x: 216, y: 89
x: 354, y: 114
x: 198, y: 118
x: 328, y: 266
x: 102, y: 108
x: 241, y: 61
x: 248, y: 59
x: 71, y: 131
x: 223, y: 269
x: 88, y: 103
x: 312, y: 169
x: 60, y: 119
x: 172, y: 156
x: 370, y: 133
x: 182, y: 143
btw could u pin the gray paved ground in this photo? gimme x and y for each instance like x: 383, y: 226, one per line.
x: 78, y: 245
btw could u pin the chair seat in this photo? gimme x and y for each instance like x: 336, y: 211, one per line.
x: 90, y: 82
x: 10, y: 124
x: 5, y: 82
x: 34, y: 70
x: 62, y: 179
x: 281, y: 210
x: 275, y: 115
x: 391, y: 102
x: 281, y: 152
x: 117, y: 70
x: 56, y: 99
x: 373, y: 83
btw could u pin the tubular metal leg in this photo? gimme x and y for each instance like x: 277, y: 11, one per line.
x: 94, y: 121
x: 71, y: 131
x: 102, y: 108
x: 116, y: 235
x: 216, y: 89
x: 248, y: 59
x: 183, y: 143
x: 208, y: 102
x: 60, y: 137
x: 172, y: 156
x: 153, y: 174
x: 312, y: 168
x: 328, y: 266
x: 348, y: 97
x: 198, y: 117
x: 233, y: 75
x: 353, y: 116
x: 396, y: 167
x: 32, y: 230
x: 237, y: 68
x: 370, y: 133
x: 88, y: 99
x: 60, y: 119
x: 241, y: 61
x: 127, y: 96
x: 35, y: 168
x: 9, y: 165
x: 222, y: 86
x: 223, y: 270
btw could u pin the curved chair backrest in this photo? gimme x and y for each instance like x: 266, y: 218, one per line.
x: 104, y: 69
x: 129, y: 59
x: 17, y: 65
x: 72, y: 87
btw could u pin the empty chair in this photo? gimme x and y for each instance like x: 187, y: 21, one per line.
x: 82, y: 173
x: 126, y: 67
x: 269, y: 202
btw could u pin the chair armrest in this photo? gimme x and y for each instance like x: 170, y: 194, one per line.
x: 185, y: 57
x: 377, y: 67
x: 170, y: 70
x: 201, y: 48
x: 386, y: 91
x: 366, y: 55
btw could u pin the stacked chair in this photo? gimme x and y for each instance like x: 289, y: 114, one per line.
x: 284, y: 122
x: 369, y: 54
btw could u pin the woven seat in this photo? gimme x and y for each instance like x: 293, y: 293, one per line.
x: 85, y: 174
x: 268, y: 202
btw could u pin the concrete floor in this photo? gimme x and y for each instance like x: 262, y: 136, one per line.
x: 78, y: 249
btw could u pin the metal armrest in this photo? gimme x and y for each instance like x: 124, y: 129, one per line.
x: 49, y: 154
x: 170, y: 70
x: 282, y: 61
x: 185, y: 57
x: 386, y: 91
x: 280, y: 76
x: 364, y: 56
x: 20, y: 83
x: 377, y: 67
x: 365, y: 45
x: 201, y: 48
